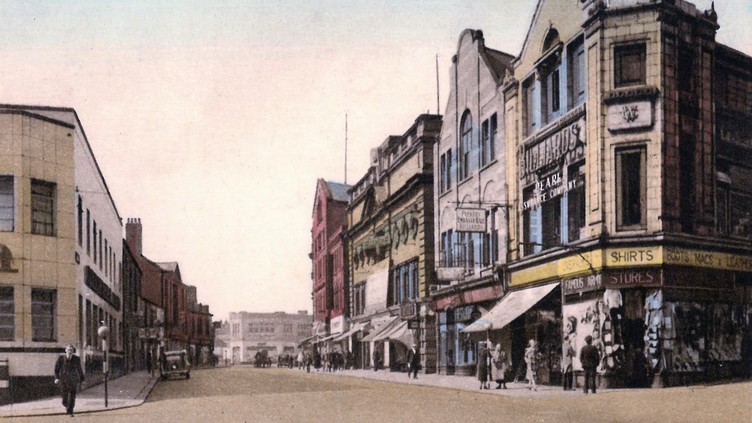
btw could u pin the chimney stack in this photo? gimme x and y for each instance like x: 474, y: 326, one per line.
x: 134, y: 235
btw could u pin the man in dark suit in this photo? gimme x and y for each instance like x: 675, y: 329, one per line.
x: 413, y: 362
x: 68, y: 374
x: 589, y: 357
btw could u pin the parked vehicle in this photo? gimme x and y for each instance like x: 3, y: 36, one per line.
x: 175, y: 363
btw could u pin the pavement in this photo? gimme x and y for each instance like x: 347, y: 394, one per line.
x: 133, y: 389
x: 130, y: 390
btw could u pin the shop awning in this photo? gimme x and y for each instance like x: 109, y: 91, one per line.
x: 357, y: 327
x: 375, y: 335
x: 401, y: 334
x: 329, y: 338
x: 510, y: 307
x: 306, y: 341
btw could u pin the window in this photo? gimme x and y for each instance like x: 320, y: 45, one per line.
x: 687, y: 181
x: 464, y: 159
x: 7, y: 204
x: 7, y: 314
x: 531, y: 220
x: 445, y: 178
x: 722, y: 209
x: 42, y: 208
x: 575, y: 203
x: 287, y: 328
x: 446, y: 255
x: 95, y: 241
x: 88, y: 232
x: 488, y: 147
x: 551, y: 86
x: 100, y: 249
x: 529, y: 96
x: 490, y: 243
x: 80, y: 221
x: 577, y: 84
x: 629, y: 65
x: 404, y: 284
x: 684, y: 69
x: 359, y: 299
x: 43, y: 303
x: 630, y: 189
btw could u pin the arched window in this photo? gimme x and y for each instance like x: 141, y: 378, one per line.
x: 465, y: 165
x: 552, y: 38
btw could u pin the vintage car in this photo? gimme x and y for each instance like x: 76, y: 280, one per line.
x: 175, y: 363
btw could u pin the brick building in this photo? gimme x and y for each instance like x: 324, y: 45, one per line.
x: 328, y: 259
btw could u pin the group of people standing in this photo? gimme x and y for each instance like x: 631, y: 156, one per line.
x: 492, y: 366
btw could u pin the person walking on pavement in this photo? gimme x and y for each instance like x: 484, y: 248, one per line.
x: 484, y: 366
x: 69, y: 375
x: 589, y: 357
x: 499, y: 368
x: 531, y: 359
x: 413, y: 362
x: 376, y: 359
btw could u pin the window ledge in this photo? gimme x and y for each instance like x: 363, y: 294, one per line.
x: 488, y: 165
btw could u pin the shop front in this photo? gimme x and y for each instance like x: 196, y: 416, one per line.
x: 528, y: 313
x: 659, y: 326
x: 456, y: 349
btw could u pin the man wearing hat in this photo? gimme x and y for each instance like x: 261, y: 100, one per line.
x: 68, y: 374
x: 413, y: 362
x: 589, y: 357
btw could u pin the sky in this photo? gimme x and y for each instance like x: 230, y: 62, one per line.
x: 212, y: 121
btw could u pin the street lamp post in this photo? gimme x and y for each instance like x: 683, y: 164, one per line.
x: 104, y: 333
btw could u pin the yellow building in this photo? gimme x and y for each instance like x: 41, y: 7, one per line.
x: 61, y: 243
x: 390, y: 244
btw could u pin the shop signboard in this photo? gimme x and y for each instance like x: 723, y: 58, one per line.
x: 471, y: 220
x: 581, y: 284
x: 463, y: 314
x: 633, y: 278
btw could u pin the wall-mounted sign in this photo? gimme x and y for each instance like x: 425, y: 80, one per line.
x: 633, y: 278
x: 408, y: 311
x: 548, y: 189
x: 567, y: 143
x: 633, y: 115
x: 471, y: 220
x: 581, y: 284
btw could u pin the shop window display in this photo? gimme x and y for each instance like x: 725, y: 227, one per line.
x: 600, y: 318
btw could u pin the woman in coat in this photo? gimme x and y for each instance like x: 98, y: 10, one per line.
x: 499, y: 367
x: 484, y: 366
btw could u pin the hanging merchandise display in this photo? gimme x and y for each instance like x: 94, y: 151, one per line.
x: 611, y: 331
x: 654, y: 321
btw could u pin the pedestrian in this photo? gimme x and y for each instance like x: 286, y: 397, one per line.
x: 499, y: 368
x: 589, y: 357
x: 69, y: 375
x: 639, y: 369
x: 484, y: 365
x: 413, y: 362
x: 149, y: 363
x: 531, y: 360
x: 567, y: 358
x: 376, y: 359
x: 316, y: 360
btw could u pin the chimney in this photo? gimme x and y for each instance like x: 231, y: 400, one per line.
x: 134, y: 235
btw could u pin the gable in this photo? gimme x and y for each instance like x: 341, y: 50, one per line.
x: 563, y: 16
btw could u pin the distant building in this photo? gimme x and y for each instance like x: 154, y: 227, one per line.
x: 132, y: 314
x: 200, y: 329
x: 328, y: 259
x: 277, y: 333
